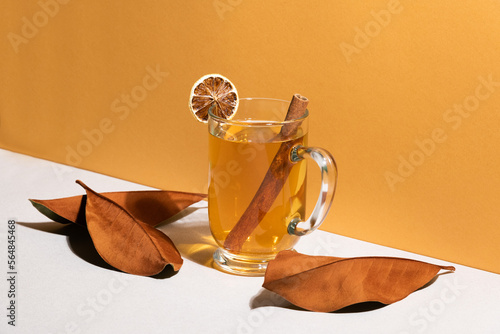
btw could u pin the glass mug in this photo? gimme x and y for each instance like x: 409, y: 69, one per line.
x: 241, y: 152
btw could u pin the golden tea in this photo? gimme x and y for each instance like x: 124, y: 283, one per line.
x: 238, y: 163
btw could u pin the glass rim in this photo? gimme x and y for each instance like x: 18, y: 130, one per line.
x: 257, y: 122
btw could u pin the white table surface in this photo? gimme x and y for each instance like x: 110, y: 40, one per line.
x: 64, y: 288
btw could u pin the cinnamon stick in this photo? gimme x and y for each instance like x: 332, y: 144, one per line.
x: 273, y: 181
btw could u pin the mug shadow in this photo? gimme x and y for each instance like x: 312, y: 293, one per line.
x: 192, y: 237
x: 80, y: 243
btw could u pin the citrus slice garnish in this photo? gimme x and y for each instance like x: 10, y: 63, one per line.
x: 213, y: 90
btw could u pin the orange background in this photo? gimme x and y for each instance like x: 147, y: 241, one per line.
x: 405, y: 95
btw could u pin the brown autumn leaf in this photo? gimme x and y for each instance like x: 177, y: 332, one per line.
x: 149, y: 206
x: 125, y: 242
x: 326, y: 284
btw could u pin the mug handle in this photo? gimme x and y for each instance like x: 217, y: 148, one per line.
x: 328, y: 184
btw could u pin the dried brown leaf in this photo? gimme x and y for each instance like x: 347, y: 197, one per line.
x: 63, y: 210
x: 149, y: 206
x: 125, y: 242
x: 326, y: 284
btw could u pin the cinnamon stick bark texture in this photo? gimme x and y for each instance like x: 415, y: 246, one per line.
x: 273, y: 181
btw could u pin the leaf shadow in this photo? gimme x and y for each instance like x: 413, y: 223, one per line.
x: 434, y: 279
x: 49, y: 227
x: 78, y: 238
x: 80, y: 243
x: 266, y: 298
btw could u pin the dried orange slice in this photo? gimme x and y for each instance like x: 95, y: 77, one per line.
x: 213, y: 90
